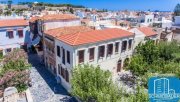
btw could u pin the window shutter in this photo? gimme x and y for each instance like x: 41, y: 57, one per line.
x: 67, y: 75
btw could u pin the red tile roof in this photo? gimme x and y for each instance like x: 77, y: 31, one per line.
x: 13, y: 22
x: 147, y: 31
x: 58, y: 17
x: 33, y: 19
x: 86, y: 35
x: 67, y: 30
x: 85, y: 20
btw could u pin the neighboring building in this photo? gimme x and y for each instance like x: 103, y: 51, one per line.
x: 48, y: 22
x: 36, y: 40
x: 149, y: 32
x: 162, y: 23
x: 116, y: 24
x: 176, y: 28
x: 33, y: 25
x: 41, y: 24
x: 39, y: 8
x: 101, y: 24
x: 56, y: 8
x: 2, y: 7
x: 176, y: 34
x: 80, y: 14
x: 166, y: 35
x: 17, y: 7
x: 142, y: 33
x: 177, y: 20
x: 14, y: 33
x: 65, y: 48
x: 145, y: 20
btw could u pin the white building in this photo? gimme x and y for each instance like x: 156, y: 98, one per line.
x: 163, y: 23
x: 65, y: 48
x: 14, y: 33
x: 145, y: 20
x: 176, y: 28
x: 48, y: 22
x: 53, y: 21
x: 177, y: 20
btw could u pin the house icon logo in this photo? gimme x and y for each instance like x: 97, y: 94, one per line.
x: 162, y: 86
x: 164, y: 89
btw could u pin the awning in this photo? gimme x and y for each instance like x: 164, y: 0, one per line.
x: 36, y: 41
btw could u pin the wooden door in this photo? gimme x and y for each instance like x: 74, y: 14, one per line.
x: 119, y: 66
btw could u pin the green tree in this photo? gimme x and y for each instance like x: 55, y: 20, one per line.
x: 91, y: 83
x: 7, y: 12
x: 71, y: 10
x: 137, y: 65
x: 149, y: 59
x: 19, y: 11
x: 167, y: 50
x: 1, y: 54
x: 148, y: 50
x: 177, y: 10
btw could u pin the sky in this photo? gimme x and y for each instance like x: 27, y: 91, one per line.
x: 162, y: 5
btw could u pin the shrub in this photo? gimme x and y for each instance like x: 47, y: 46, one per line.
x: 91, y: 83
x: 15, y: 71
x: 163, y: 58
x: 137, y: 65
x: 1, y: 54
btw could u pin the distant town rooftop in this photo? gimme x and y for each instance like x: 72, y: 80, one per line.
x: 79, y: 35
x: 58, y: 17
x: 13, y: 22
x: 33, y: 19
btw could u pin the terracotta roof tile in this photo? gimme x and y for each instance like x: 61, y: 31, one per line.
x: 67, y: 30
x: 33, y: 19
x: 13, y: 22
x: 58, y: 17
x: 87, y: 36
x: 85, y: 20
x: 147, y: 31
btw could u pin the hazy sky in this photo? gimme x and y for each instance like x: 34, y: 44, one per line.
x: 163, y: 5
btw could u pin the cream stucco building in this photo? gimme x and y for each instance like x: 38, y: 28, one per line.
x: 67, y: 47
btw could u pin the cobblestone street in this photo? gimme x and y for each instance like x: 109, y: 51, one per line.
x: 44, y: 87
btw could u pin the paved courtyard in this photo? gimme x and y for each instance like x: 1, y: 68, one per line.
x: 44, y: 87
